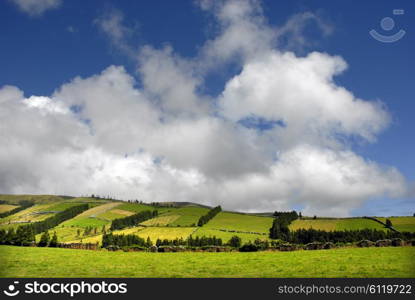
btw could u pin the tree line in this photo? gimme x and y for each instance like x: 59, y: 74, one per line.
x: 305, y: 236
x: 58, y: 218
x: 24, y: 235
x: 211, y: 213
x: 121, y: 240
x: 23, y: 204
x: 279, y: 229
x: 133, y: 220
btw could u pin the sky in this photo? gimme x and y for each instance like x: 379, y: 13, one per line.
x: 253, y: 105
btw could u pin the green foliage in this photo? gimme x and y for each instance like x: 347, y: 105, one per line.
x: 279, y: 229
x: 235, y: 241
x: 206, y: 218
x: 54, y: 240
x: 388, y: 223
x: 133, y: 220
x: 44, y: 240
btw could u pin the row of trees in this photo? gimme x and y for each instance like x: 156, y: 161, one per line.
x: 304, y: 236
x: 279, y: 229
x: 23, y: 204
x: 110, y: 239
x: 133, y: 220
x: 58, y: 218
x: 25, y: 236
x: 46, y: 241
x: 121, y: 240
x: 211, y: 213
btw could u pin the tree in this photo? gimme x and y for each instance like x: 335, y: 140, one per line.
x: 300, y: 215
x: 44, y: 239
x: 388, y: 223
x: 78, y: 232
x: 235, y: 241
x: 103, y: 229
x: 54, y: 240
x: 315, y: 217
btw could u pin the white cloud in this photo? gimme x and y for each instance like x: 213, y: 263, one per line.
x: 167, y: 141
x: 36, y: 7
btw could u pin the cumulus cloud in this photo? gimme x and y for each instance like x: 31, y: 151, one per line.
x: 168, y: 141
x: 36, y: 8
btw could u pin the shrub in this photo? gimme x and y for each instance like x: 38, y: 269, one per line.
x: 248, y: 248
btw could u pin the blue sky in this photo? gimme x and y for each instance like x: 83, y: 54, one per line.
x: 40, y: 53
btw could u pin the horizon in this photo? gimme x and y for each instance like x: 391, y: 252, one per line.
x: 251, y: 105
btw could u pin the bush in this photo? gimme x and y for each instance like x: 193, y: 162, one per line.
x: 397, y: 242
x: 235, y: 241
x: 328, y: 245
x: 248, y: 248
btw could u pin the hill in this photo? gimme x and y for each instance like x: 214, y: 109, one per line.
x: 174, y: 220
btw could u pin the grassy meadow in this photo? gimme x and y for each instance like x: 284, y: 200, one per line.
x: 329, y: 224
x: 345, y: 262
x: 240, y: 222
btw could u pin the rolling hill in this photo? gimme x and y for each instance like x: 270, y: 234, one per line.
x: 174, y: 220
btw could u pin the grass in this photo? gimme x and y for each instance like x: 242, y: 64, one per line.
x: 89, y: 217
x: 240, y: 222
x: 336, y: 224
x: 62, y: 206
x: 188, y: 216
x: 161, y: 221
x: 346, y: 262
x: 27, y: 214
x: 169, y: 233
x: 401, y: 223
x: 7, y: 207
x: 14, y: 199
x: 134, y: 207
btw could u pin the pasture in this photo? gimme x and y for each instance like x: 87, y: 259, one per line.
x: 345, y: 262
x: 401, y: 223
x: 240, y: 222
x: 329, y: 224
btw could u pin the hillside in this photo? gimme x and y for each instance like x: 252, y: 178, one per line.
x: 174, y: 220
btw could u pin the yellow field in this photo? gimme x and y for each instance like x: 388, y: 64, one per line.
x: 161, y: 221
x: 27, y: 215
x: 336, y: 224
x: 95, y: 211
x: 125, y: 213
x: 6, y: 207
x: 169, y: 233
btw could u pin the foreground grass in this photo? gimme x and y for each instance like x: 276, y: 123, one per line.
x: 350, y: 262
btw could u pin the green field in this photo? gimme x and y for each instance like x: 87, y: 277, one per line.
x: 346, y: 262
x: 401, y: 223
x: 336, y: 224
x: 187, y: 216
x: 240, y: 222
